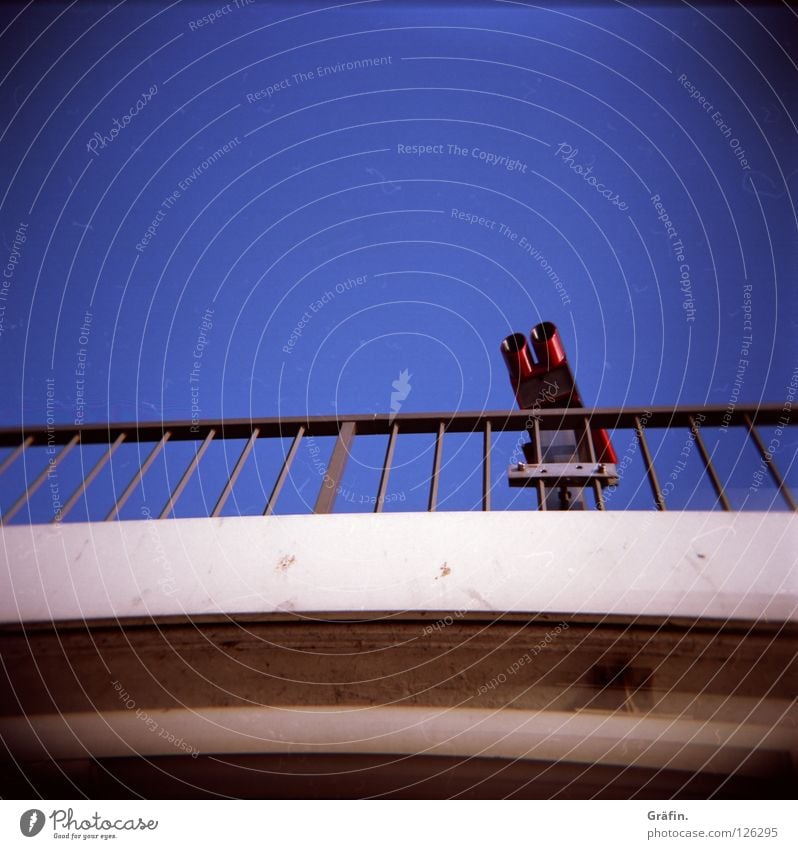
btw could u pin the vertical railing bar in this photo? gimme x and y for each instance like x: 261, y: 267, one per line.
x: 486, y: 480
x: 231, y: 481
x: 328, y: 492
x: 536, y: 448
x: 286, y: 467
x: 702, y: 450
x: 114, y: 512
x: 48, y: 469
x: 190, y: 469
x: 775, y: 473
x: 651, y: 472
x: 15, y: 453
x: 436, y: 468
x: 587, y: 435
x: 98, y: 467
x: 382, y: 490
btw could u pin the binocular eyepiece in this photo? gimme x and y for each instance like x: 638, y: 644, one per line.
x: 541, y: 377
x: 547, y: 348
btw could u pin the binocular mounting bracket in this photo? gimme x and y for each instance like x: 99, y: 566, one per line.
x: 563, y: 474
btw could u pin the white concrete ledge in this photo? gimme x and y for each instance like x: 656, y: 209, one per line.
x: 585, y: 737
x: 726, y: 566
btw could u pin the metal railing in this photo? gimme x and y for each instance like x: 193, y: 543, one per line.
x: 21, y: 440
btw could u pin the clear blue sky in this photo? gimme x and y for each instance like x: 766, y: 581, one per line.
x: 457, y: 171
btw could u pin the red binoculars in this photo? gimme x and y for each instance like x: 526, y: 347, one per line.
x: 541, y: 378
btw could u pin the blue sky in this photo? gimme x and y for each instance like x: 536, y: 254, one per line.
x: 316, y: 197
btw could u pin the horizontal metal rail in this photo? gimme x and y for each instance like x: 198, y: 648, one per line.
x: 369, y: 425
x: 582, y: 422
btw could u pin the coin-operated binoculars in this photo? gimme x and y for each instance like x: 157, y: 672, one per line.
x: 560, y: 464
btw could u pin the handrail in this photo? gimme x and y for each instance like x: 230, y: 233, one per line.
x: 456, y: 422
x: 581, y: 421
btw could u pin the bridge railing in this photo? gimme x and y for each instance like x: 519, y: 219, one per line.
x: 39, y: 452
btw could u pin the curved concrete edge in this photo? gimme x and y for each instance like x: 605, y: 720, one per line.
x: 587, y: 737
x: 713, y: 565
